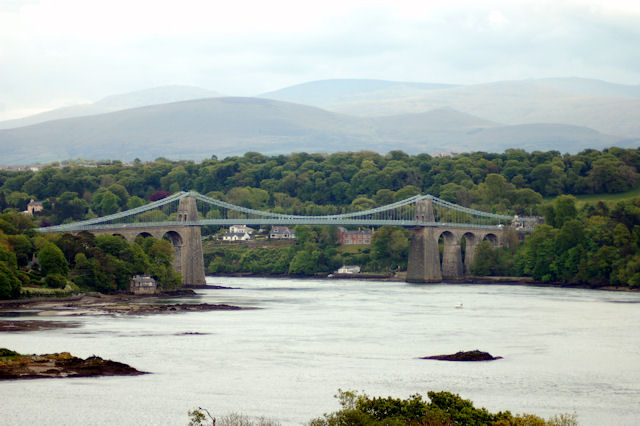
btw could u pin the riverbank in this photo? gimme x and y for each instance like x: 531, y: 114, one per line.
x: 401, y: 277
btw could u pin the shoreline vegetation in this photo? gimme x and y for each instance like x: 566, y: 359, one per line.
x: 592, y: 244
x: 439, y: 409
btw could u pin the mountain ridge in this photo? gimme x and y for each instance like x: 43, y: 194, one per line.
x: 224, y: 126
x: 112, y: 103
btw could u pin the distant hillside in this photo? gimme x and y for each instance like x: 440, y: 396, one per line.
x: 232, y: 126
x: 606, y: 107
x: 154, y: 96
x: 329, y: 93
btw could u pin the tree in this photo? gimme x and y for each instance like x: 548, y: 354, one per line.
x: 390, y: 246
x: 134, y: 202
x: 485, y: 260
x: 539, y: 253
x: 69, y: 206
x: 109, y: 203
x: 159, y: 195
x: 52, y: 260
x: 10, y: 285
x: 362, y: 203
x: 303, y: 263
x: 609, y: 174
x: 22, y: 247
x: 564, y: 209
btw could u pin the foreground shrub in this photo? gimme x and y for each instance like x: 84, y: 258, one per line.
x: 443, y: 409
x: 202, y: 416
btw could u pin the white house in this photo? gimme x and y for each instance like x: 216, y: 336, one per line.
x: 349, y: 269
x: 240, y: 229
x: 282, y: 233
x: 236, y: 236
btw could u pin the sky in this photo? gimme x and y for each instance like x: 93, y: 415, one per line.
x: 57, y: 53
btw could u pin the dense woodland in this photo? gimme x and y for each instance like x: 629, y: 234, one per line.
x: 595, y: 244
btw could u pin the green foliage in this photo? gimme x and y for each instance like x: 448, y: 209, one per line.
x: 299, y: 183
x: 55, y: 281
x: 8, y: 353
x: 603, y: 250
x: 494, y: 261
x: 52, y: 260
x: 22, y: 247
x: 594, y: 245
x: 390, y: 247
x: 8, y: 257
x: 444, y: 408
x: 10, y: 285
x: 197, y: 418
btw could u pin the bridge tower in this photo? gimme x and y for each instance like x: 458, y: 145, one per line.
x: 189, y: 259
x: 424, y: 256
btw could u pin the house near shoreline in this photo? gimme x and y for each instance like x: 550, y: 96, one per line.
x: 349, y: 269
x: 282, y: 233
x: 238, y: 233
x: 236, y: 236
x: 351, y: 237
x: 241, y: 229
x: 143, y: 284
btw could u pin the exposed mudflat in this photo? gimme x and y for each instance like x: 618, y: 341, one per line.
x: 94, y: 304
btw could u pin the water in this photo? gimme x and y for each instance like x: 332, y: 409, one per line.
x: 564, y: 351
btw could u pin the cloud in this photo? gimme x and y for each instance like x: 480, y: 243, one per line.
x: 62, y: 51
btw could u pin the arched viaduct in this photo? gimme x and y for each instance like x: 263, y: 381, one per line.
x: 424, y: 253
x: 186, y: 240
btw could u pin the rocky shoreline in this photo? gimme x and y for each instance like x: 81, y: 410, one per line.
x: 15, y: 366
x: 96, y: 304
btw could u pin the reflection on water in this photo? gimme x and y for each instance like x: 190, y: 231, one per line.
x: 564, y: 350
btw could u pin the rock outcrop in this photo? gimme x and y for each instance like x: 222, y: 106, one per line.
x: 475, y: 355
x: 14, y: 366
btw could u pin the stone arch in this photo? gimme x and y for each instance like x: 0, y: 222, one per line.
x: 174, y: 237
x: 451, y: 255
x: 144, y: 234
x: 492, y: 238
x: 468, y: 242
x: 117, y: 234
x: 177, y: 241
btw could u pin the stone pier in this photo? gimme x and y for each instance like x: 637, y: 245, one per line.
x: 186, y: 241
x: 424, y: 255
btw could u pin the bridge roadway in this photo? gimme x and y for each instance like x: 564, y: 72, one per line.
x: 424, y: 257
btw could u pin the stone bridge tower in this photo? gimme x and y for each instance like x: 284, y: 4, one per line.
x: 424, y: 257
x: 189, y: 254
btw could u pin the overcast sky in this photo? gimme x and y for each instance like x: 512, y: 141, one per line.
x: 61, y: 52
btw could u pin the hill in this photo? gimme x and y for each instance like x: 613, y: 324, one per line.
x: 231, y: 126
x: 332, y: 93
x: 607, y: 107
x: 156, y: 95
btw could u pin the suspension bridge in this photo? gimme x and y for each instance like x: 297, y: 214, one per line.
x: 179, y: 218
